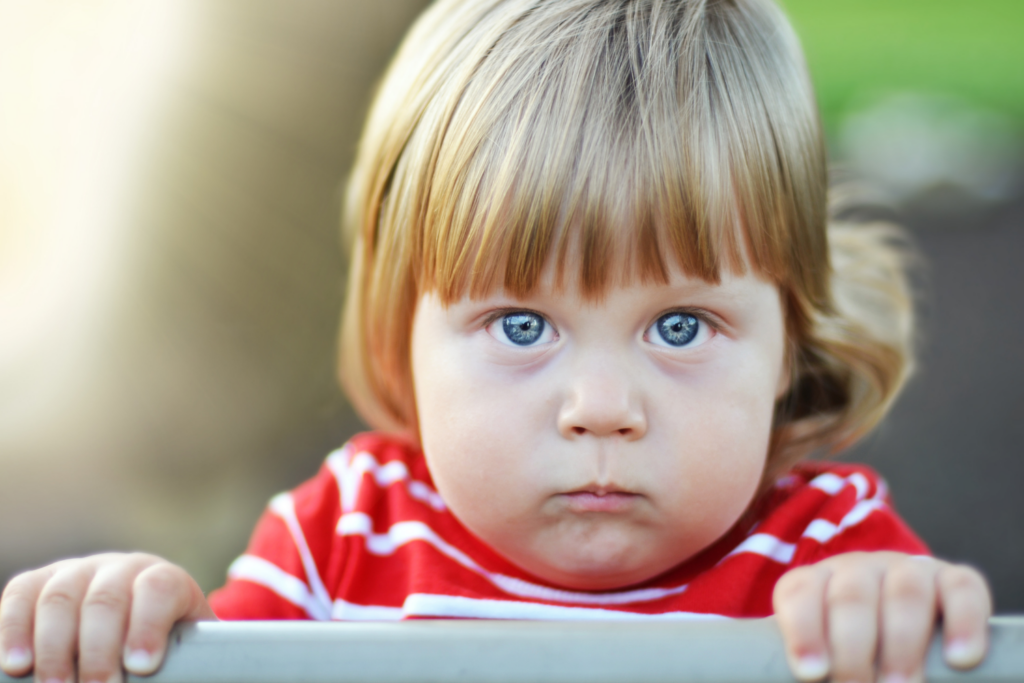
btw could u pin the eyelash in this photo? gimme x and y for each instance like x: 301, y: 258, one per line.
x: 705, y: 317
x: 499, y: 314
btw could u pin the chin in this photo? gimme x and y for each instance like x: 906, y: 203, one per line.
x: 602, y: 571
x: 595, y: 579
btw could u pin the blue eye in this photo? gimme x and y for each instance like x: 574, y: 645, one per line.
x: 676, y: 329
x: 523, y: 328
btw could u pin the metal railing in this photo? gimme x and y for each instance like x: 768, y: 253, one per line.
x: 517, y: 652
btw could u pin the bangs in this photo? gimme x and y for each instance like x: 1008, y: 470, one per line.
x: 616, y: 141
x: 601, y: 141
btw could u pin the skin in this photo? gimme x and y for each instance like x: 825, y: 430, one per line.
x: 108, y: 609
x: 514, y: 434
x: 596, y: 459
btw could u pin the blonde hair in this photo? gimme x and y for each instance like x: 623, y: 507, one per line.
x: 613, y: 139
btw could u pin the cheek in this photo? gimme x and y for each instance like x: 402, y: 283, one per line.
x: 479, y: 434
x: 726, y: 478
x: 722, y: 468
x: 721, y: 424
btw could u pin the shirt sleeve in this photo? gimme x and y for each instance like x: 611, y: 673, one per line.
x: 281, y: 574
x: 855, y: 514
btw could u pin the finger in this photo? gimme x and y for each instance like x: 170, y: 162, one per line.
x: 799, y: 603
x: 104, y: 619
x: 56, y: 624
x: 163, y: 594
x: 966, y: 606
x: 852, y: 598
x: 908, y: 618
x: 17, y: 620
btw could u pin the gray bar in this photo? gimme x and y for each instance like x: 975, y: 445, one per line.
x: 442, y: 651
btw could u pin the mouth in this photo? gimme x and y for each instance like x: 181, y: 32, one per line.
x: 600, y: 499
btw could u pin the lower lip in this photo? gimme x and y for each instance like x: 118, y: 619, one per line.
x: 584, y: 501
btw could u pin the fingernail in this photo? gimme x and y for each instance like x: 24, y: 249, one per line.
x: 18, y: 658
x: 140, y: 661
x: 964, y: 653
x: 811, y: 667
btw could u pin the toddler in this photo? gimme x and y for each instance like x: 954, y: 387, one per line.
x: 596, y: 316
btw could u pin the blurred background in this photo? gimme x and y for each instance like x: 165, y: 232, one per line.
x: 170, y: 277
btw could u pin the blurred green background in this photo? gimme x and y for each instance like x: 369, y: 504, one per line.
x: 157, y: 398
x: 859, y: 50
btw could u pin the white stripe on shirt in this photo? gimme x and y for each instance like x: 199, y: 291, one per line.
x: 283, y: 505
x: 348, y: 471
x: 349, y: 611
x: 269, y: 575
x: 427, y: 605
x: 400, y: 533
x: 829, y: 483
x: 768, y: 546
x: 822, y: 530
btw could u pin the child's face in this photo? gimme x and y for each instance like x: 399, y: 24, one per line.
x: 597, y: 444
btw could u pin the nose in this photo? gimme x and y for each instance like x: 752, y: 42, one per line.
x: 602, y: 400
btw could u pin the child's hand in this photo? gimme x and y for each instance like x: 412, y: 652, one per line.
x: 841, y: 616
x: 99, y: 610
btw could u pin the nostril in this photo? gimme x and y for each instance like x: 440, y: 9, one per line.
x: 625, y: 431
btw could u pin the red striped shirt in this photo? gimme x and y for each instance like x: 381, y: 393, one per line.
x: 368, y: 538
